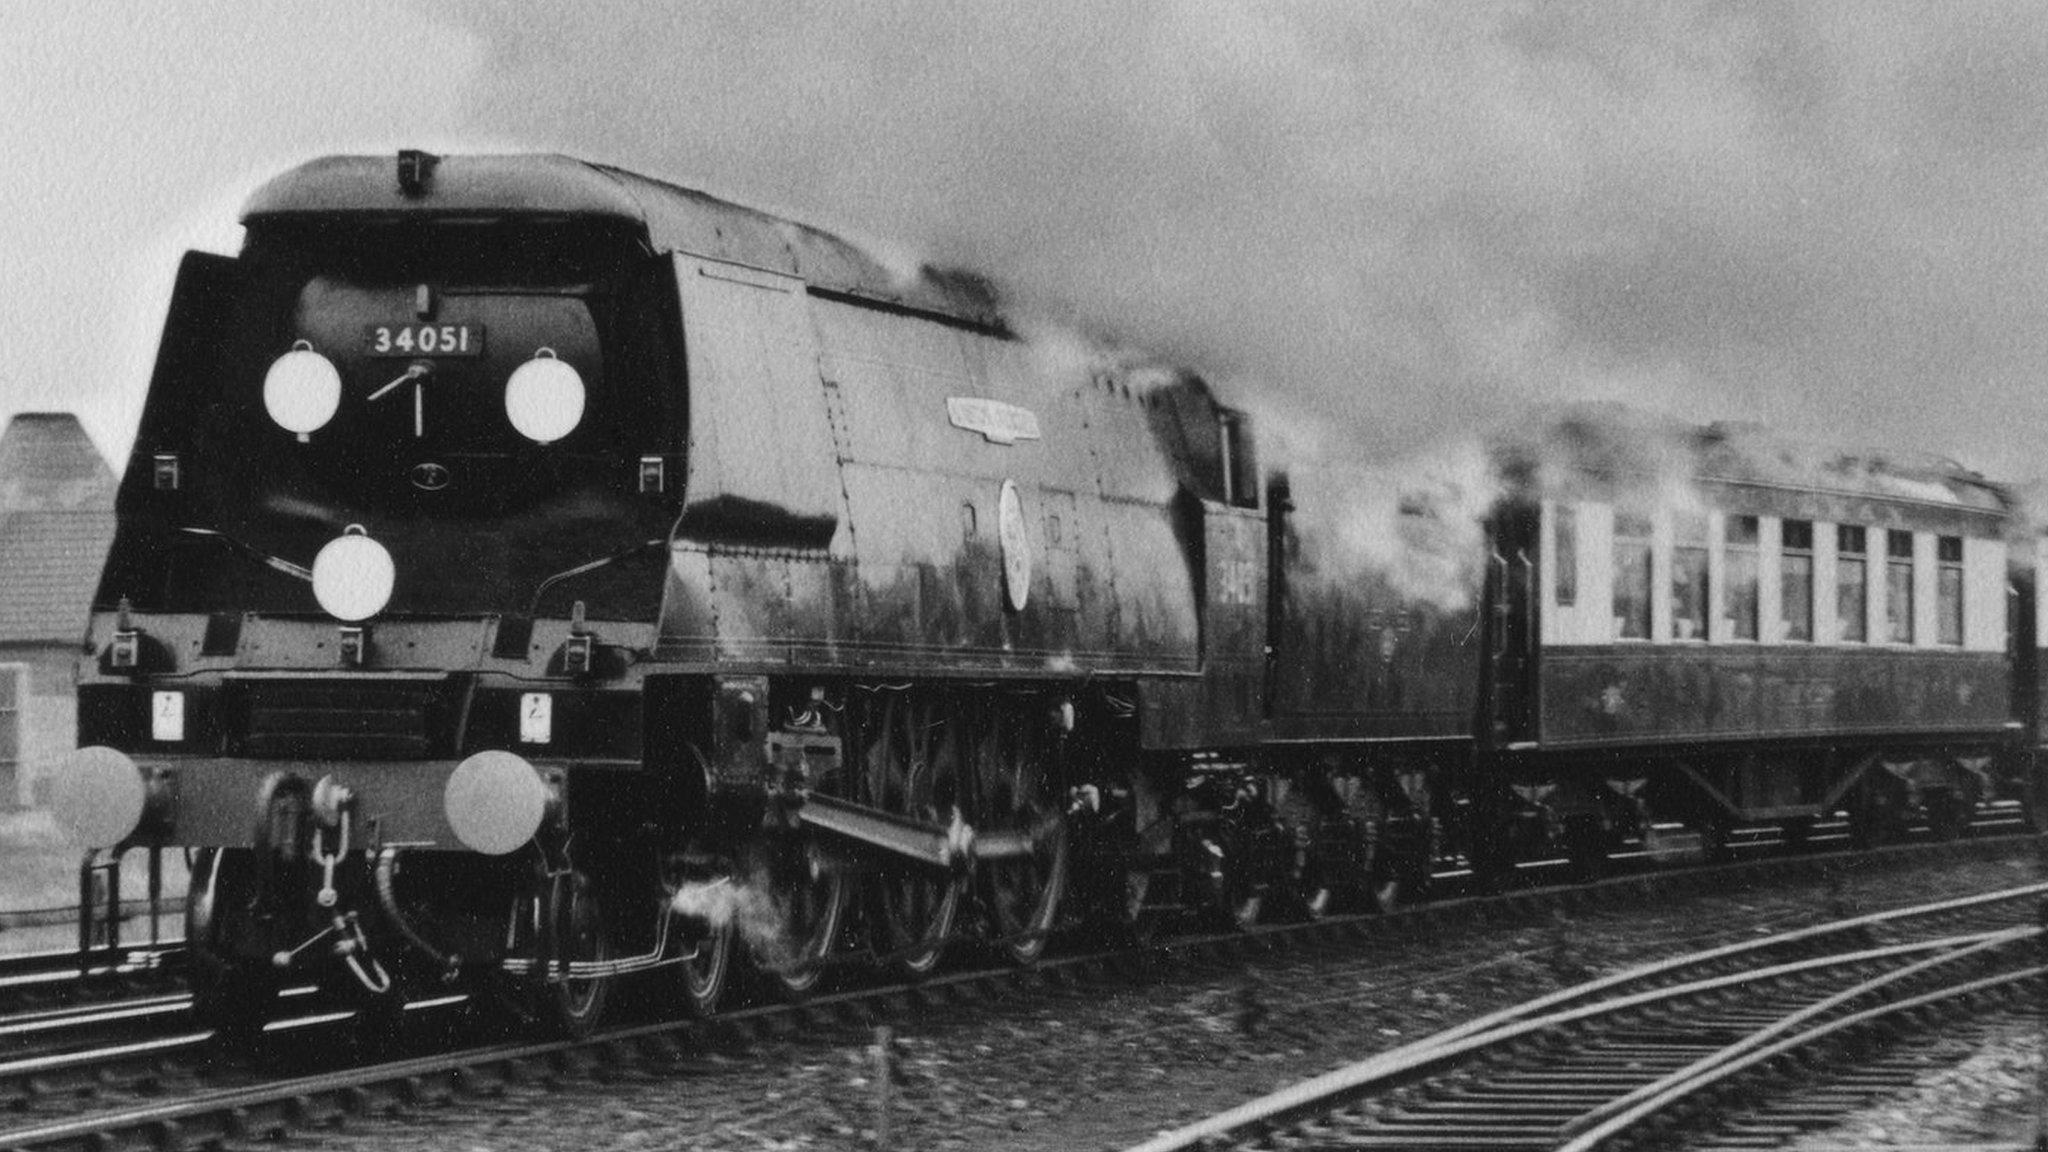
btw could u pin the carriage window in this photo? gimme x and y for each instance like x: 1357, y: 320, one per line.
x: 1948, y: 587
x: 1742, y: 577
x: 1564, y: 554
x: 1795, y: 579
x: 1631, y: 577
x: 1898, y: 587
x: 1852, y: 585
x: 1689, y: 576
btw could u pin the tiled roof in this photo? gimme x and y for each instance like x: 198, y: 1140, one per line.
x: 49, y: 569
x: 47, y: 462
x: 56, y: 520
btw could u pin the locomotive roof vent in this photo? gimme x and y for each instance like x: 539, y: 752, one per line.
x: 415, y: 170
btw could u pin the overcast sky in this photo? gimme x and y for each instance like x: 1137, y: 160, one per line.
x: 1373, y: 223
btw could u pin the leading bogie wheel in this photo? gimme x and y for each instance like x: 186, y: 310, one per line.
x: 708, y: 969
x: 562, y: 922
x: 705, y: 905
x: 378, y: 1027
x: 232, y: 995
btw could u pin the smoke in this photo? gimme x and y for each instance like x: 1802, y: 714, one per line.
x: 1395, y: 221
x: 1418, y: 523
x: 1655, y: 461
x: 1747, y: 451
x: 1639, y: 460
x: 745, y: 904
x: 1642, y: 461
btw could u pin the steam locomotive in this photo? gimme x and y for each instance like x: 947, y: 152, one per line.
x: 531, y: 575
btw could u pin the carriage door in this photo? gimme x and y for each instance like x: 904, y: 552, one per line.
x: 1512, y: 628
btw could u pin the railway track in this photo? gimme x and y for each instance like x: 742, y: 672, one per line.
x: 152, y: 1081
x: 51, y: 980
x: 1890, y: 1072
x: 1631, y: 1057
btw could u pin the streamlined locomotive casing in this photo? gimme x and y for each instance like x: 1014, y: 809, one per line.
x: 937, y: 502
x: 792, y: 462
x: 656, y: 547
x: 211, y: 662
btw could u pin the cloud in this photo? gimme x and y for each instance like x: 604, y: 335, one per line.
x: 1397, y: 217
x: 135, y: 131
x: 1383, y: 221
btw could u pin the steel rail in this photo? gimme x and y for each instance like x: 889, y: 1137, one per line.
x: 252, y: 1109
x: 85, y: 1015
x: 234, y: 1106
x: 353, y: 1087
x: 1704, y: 1068
x: 20, y: 968
x: 1656, y: 968
x: 1425, y: 1057
x: 53, y: 967
x: 1652, y: 1104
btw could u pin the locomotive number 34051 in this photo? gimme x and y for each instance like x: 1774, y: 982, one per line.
x: 424, y: 339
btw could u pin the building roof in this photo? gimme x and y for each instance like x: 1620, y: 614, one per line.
x: 56, y: 521
x: 49, y: 565
x: 47, y: 462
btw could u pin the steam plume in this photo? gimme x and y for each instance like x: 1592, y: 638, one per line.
x: 1397, y: 221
